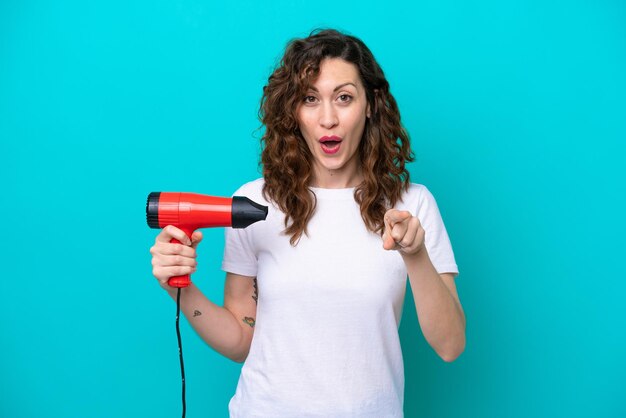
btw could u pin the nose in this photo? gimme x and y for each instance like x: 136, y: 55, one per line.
x: 328, y: 116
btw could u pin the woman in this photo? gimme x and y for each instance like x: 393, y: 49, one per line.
x: 321, y: 283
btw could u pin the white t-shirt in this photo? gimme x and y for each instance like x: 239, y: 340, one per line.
x: 326, y: 340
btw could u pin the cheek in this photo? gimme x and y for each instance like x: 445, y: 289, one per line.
x: 305, y: 130
x: 356, y: 122
x: 304, y: 121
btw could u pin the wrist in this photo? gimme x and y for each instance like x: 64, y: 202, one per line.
x: 419, y: 261
x: 418, y: 254
x: 172, y: 291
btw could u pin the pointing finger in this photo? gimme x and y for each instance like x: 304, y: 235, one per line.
x: 388, y: 242
x: 393, y: 216
x: 399, y: 231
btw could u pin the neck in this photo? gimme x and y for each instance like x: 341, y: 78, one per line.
x: 336, y: 179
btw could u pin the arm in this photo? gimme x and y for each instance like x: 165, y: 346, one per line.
x: 437, y: 303
x: 226, y: 329
x: 438, y: 307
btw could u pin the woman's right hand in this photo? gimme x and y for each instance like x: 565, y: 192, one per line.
x: 168, y: 259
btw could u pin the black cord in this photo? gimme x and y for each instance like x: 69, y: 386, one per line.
x: 180, y: 348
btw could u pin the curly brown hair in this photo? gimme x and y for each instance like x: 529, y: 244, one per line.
x: 286, y: 159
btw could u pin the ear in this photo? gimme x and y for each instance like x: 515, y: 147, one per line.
x: 368, y: 111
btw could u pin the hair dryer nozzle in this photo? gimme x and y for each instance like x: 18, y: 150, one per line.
x: 246, y: 212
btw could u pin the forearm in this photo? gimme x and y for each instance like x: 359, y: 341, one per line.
x: 440, y: 314
x: 215, y: 324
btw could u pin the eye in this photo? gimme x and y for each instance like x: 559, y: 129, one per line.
x: 309, y: 99
x: 345, y: 98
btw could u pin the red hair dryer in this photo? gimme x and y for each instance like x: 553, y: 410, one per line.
x: 190, y: 211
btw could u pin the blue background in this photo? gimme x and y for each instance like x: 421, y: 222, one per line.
x: 518, y: 118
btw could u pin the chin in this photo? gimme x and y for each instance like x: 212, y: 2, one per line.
x: 333, y: 167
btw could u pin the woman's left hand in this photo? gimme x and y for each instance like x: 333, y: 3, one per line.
x: 403, y: 232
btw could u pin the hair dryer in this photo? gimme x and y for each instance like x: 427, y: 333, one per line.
x: 190, y: 211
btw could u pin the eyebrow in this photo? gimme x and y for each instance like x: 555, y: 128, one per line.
x: 336, y: 88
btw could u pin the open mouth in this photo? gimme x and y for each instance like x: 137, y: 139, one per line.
x: 330, y: 144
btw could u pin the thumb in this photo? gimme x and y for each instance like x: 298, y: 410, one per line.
x: 196, y: 237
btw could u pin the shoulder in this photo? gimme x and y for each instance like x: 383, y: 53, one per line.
x: 418, y: 197
x: 415, y: 193
x: 252, y: 189
x: 415, y: 189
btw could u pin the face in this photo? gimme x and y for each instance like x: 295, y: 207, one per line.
x: 331, y: 118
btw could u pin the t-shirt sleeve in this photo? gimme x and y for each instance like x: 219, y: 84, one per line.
x: 436, y: 237
x: 239, y: 255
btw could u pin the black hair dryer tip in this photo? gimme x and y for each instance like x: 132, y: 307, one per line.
x: 246, y: 212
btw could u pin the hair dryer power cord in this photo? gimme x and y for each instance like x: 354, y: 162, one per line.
x: 180, y: 348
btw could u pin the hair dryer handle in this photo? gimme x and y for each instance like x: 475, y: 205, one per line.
x: 180, y: 281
